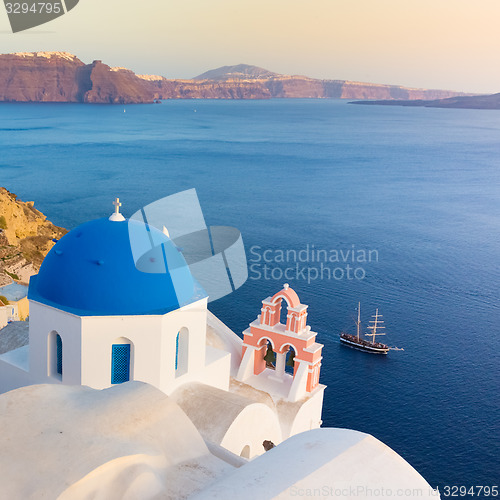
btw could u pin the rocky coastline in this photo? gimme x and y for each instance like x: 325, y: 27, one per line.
x: 26, y: 236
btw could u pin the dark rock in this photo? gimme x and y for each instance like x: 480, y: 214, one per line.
x: 268, y: 445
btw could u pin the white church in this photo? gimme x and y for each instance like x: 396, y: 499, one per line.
x: 132, y: 335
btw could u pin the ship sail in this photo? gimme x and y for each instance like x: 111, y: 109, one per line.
x: 376, y: 324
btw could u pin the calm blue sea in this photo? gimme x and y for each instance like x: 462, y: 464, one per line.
x: 419, y: 188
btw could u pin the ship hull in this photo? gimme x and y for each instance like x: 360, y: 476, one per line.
x: 363, y: 347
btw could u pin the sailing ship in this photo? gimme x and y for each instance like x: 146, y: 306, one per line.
x: 361, y: 344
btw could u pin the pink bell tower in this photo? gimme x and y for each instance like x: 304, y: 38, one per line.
x: 295, y: 334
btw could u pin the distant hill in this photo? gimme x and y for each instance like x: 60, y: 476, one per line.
x: 463, y: 102
x: 62, y: 77
x: 236, y: 72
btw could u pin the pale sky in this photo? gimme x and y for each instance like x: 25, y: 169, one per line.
x: 448, y: 44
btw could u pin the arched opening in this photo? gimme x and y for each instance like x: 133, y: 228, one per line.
x: 284, y: 312
x: 59, y: 355
x: 290, y: 360
x: 181, y: 352
x: 55, y: 355
x: 269, y: 354
x: 121, y: 360
x: 245, y: 452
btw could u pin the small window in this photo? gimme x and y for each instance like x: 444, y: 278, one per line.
x: 177, y: 350
x: 120, y: 363
x: 59, y: 354
x: 181, y: 352
x: 54, y: 355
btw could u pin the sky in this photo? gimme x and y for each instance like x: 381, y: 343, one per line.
x: 447, y: 44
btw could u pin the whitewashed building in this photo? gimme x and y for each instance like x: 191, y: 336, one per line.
x: 169, y: 401
x: 100, y: 315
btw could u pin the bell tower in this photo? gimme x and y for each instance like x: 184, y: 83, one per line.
x: 266, y: 333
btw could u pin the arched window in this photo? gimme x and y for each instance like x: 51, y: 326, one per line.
x: 284, y: 312
x: 270, y: 356
x: 245, y: 452
x: 120, y: 361
x: 59, y: 354
x: 181, y: 352
x: 55, y: 355
x: 290, y: 360
x: 177, y: 350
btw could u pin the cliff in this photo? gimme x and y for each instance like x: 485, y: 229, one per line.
x: 207, y: 89
x: 298, y: 86
x: 115, y: 86
x: 62, y: 77
x: 285, y: 87
x: 40, y: 77
x: 25, y: 238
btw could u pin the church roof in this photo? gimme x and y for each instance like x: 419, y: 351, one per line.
x: 115, y: 267
x: 138, y: 444
x: 325, y: 462
x: 13, y: 336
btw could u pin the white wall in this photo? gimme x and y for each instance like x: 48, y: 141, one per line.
x: 229, y: 341
x: 99, y: 333
x: 255, y: 424
x: 13, y: 372
x: 8, y: 313
x: 206, y: 364
x: 309, y: 415
x: 192, y: 318
x: 87, y: 345
x: 43, y: 320
x: 214, y: 372
x: 4, y: 316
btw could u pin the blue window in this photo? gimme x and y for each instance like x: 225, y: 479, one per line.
x: 120, y: 363
x: 58, y: 354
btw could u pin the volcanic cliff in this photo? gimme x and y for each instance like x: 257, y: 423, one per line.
x: 62, y: 77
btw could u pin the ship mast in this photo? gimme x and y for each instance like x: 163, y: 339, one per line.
x: 359, y: 318
x: 376, y: 325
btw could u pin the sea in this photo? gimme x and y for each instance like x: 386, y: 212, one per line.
x: 395, y: 208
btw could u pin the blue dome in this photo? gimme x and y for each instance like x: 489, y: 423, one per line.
x: 105, y: 268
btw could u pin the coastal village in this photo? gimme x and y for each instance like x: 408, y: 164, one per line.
x: 25, y: 238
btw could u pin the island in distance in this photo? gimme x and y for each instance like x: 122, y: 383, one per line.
x: 463, y: 102
x: 62, y: 77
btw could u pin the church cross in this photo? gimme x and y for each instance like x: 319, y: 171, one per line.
x: 117, y: 205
